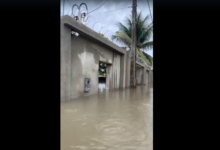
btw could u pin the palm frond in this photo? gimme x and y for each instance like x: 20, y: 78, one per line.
x: 144, y: 31
x: 140, y: 53
x: 150, y: 58
x: 123, y: 28
x: 146, y: 34
x: 141, y: 24
x: 129, y: 26
x: 123, y: 38
x: 147, y: 45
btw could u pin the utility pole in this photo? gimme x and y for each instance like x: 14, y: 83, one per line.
x: 133, y: 44
x: 63, y: 6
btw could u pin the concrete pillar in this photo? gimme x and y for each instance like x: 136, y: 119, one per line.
x: 65, y: 62
x: 108, y: 77
x: 150, y: 78
x: 147, y: 77
x: 144, y: 76
x: 138, y: 75
x: 122, y: 71
x: 128, y: 66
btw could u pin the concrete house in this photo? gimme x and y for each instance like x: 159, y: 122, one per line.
x: 80, y: 58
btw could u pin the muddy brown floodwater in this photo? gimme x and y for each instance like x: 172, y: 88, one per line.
x: 114, y: 120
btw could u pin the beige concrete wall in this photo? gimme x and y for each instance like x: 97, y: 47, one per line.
x: 65, y: 64
x: 85, y: 64
x: 139, y: 75
x: 150, y: 78
x: 115, y: 76
x: 146, y: 77
x: 80, y: 58
x: 122, y: 71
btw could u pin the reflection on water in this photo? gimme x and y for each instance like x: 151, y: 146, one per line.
x: 102, y: 86
x: 114, y: 120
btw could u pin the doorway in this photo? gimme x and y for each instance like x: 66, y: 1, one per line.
x: 102, y: 76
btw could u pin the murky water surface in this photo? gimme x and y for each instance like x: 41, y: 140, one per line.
x: 114, y: 120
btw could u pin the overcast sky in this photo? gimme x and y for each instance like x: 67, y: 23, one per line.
x: 104, y: 19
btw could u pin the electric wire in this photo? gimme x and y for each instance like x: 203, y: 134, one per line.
x: 112, y: 10
x: 98, y: 7
x: 150, y: 10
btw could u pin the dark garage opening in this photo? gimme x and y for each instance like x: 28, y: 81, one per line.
x: 102, y: 76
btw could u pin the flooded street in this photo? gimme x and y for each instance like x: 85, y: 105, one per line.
x: 114, y: 120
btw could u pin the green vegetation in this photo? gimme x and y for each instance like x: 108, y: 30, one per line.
x: 144, y: 31
x: 103, y: 35
x: 102, y: 70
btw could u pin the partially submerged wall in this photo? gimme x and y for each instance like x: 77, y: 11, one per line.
x: 146, y: 77
x: 150, y: 78
x: 85, y: 64
x: 139, y: 75
x: 80, y: 58
x: 65, y: 64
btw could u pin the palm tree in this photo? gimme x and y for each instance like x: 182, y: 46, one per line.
x: 144, y: 31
